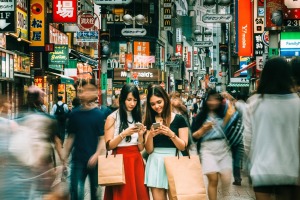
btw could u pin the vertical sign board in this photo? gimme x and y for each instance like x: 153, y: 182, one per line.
x: 291, y: 13
x: 167, y: 15
x: 22, y: 18
x: 245, y: 28
x: 8, y: 16
x: 37, y: 24
x: 65, y: 11
x: 258, y: 16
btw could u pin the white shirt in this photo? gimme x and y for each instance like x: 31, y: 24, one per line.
x: 66, y: 109
x: 134, y: 137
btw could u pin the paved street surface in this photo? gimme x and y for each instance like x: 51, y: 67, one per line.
x: 244, y: 192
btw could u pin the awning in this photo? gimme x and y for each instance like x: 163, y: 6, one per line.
x: 238, y: 85
x: 238, y: 73
x: 83, y: 58
x: 63, y: 79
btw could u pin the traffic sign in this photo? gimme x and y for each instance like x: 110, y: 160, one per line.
x: 86, y: 21
x: 216, y: 18
x: 110, y: 2
x: 134, y: 32
x: 203, y: 44
x: 8, y: 17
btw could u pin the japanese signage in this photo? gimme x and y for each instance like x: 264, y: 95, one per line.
x: 188, y: 61
x: 140, y: 74
x: 57, y: 37
x: 6, y: 65
x: 167, y: 15
x: 179, y: 49
x: 7, y: 16
x: 37, y: 23
x: 178, y: 35
x: 203, y: 44
x: 65, y: 11
x: 60, y: 55
x: 142, y: 58
x: 112, y: 2
x: 86, y: 21
x: 245, y: 28
x: 258, y: 16
x: 22, y: 18
x: 273, y: 14
x: 291, y: 9
x: 216, y: 18
x: 260, y: 41
x: 141, y: 49
x: 87, y: 36
x: 39, y: 81
x: 122, y: 52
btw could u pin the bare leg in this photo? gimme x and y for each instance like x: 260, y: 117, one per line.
x: 159, y: 194
x: 225, y: 177
x: 212, y: 186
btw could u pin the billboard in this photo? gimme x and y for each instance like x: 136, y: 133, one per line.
x: 290, y: 44
x: 245, y: 22
x: 273, y: 14
x: 37, y: 23
x: 65, y: 11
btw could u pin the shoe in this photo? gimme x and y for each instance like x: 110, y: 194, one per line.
x: 237, y: 183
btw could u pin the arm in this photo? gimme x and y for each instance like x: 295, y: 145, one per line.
x: 201, y: 131
x: 58, y: 147
x: 149, y: 142
x: 110, y: 130
x: 68, y: 148
x: 53, y: 110
x: 247, y: 131
x: 100, y: 151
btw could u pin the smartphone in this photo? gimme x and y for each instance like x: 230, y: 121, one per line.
x: 138, y: 125
x: 156, y: 125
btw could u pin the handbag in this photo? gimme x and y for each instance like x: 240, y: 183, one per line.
x: 111, y: 169
x: 234, y: 130
x: 185, y: 177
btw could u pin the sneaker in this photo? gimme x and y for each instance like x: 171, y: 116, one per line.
x: 237, y: 183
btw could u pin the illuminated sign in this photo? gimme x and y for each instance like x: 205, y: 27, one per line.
x: 65, y: 11
x: 37, y: 23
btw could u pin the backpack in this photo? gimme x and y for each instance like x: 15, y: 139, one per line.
x: 60, y: 112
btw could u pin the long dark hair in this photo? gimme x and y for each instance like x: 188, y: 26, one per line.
x: 136, y: 112
x: 276, y: 77
x: 199, y: 120
x: 158, y: 91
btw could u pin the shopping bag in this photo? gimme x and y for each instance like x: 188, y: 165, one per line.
x: 111, y: 170
x: 185, y: 178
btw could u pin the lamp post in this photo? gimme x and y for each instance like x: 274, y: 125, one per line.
x: 128, y: 20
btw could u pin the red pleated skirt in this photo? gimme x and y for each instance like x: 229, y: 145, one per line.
x: 134, y: 167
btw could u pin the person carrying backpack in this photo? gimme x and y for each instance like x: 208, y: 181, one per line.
x: 60, y: 111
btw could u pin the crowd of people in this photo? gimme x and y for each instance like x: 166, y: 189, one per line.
x: 259, y: 135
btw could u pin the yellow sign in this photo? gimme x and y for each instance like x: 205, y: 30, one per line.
x: 167, y: 22
x: 22, y: 23
x: 167, y: 11
x: 37, y: 23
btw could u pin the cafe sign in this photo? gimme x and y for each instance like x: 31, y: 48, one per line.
x: 60, y: 56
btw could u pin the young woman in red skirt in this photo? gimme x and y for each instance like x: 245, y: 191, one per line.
x: 124, y: 134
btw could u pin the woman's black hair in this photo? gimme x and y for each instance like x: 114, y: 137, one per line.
x: 136, y: 112
x: 199, y: 120
x: 276, y: 77
x: 295, y: 64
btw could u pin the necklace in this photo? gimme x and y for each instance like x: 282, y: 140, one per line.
x: 130, y: 122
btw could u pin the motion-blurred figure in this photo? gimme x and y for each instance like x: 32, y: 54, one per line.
x: 271, y: 135
x: 85, y: 141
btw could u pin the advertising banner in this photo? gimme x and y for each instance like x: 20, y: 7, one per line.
x: 245, y: 32
x: 273, y: 14
x: 60, y: 56
x: 291, y: 13
x: 64, y: 11
x: 290, y: 44
x: 22, y: 18
x: 37, y: 23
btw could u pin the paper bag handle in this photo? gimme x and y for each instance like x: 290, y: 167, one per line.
x: 186, y: 149
x: 107, y: 147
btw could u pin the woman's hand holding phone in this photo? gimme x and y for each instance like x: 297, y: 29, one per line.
x: 130, y: 130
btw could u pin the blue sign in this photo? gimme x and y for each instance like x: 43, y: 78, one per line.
x: 136, y: 82
x: 212, y: 79
x: 87, y: 36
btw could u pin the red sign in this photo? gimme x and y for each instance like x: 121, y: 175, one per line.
x: 179, y: 49
x: 86, y: 21
x: 245, y: 31
x: 64, y: 11
x: 188, y: 61
x: 291, y: 9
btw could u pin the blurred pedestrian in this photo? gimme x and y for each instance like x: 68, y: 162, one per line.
x: 60, y: 111
x: 124, y: 134
x: 197, y: 106
x: 85, y: 141
x: 271, y: 133
x: 166, y: 132
x: 214, y: 152
x: 115, y: 105
x: 76, y: 103
x: 295, y: 64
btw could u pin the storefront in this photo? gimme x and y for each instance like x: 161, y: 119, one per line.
x: 140, y: 77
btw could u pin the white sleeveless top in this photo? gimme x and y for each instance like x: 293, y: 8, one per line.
x: 134, y: 137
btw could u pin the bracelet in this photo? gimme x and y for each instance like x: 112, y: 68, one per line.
x: 140, y: 142
x: 121, y: 136
x: 173, y: 137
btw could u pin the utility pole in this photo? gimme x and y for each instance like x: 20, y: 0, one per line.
x: 103, y: 59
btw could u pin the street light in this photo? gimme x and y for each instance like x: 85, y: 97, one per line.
x: 128, y: 20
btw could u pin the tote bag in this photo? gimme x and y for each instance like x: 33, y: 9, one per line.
x: 185, y: 177
x: 111, y: 170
